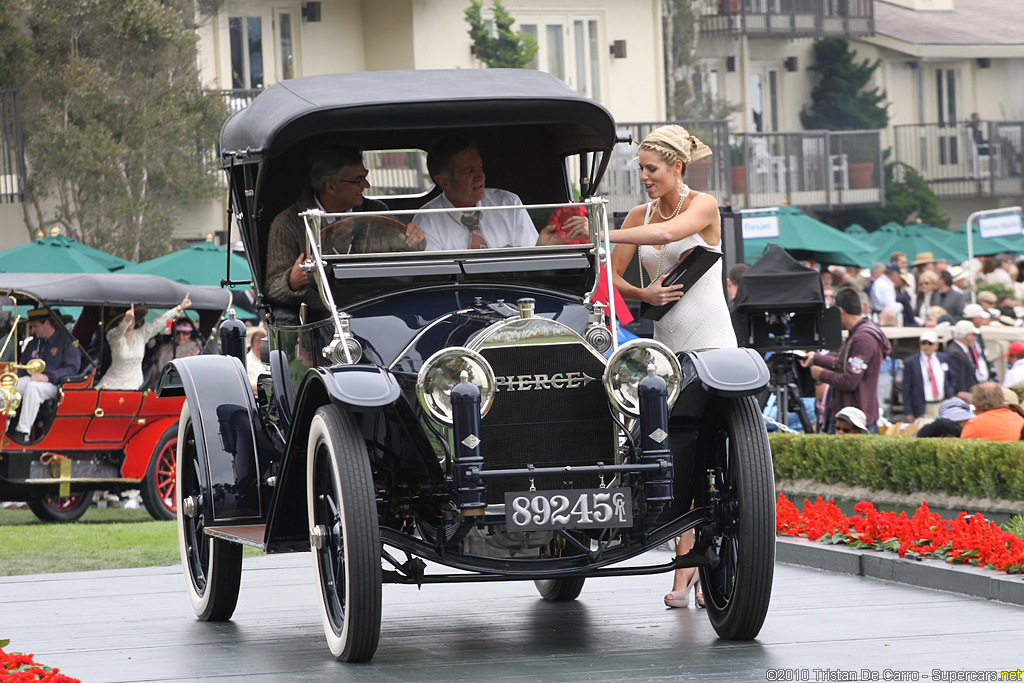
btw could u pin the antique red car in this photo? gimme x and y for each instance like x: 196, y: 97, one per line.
x: 91, y: 438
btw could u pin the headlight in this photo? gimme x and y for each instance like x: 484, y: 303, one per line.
x: 628, y: 365
x: 441, y: 373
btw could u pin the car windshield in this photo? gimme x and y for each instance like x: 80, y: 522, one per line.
x: 440, y: 227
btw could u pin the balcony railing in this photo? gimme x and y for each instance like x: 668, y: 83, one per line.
x: 960, y: 160
x: 813, y: 169
x: 239, y: 99
x: 789, y: 18
x: 12, y: 149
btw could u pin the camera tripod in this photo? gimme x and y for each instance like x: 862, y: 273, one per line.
x: 782, y: 385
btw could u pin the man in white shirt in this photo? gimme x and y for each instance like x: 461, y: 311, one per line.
x: 1015, y: 358
x: 456, y: 167
x: 883, y: 291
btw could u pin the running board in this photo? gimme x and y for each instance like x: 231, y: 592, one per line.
x: 245, y: 534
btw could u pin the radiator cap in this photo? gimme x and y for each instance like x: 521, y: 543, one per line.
x: 526, y: 307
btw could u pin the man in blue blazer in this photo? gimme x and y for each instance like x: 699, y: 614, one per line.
x: 928, y: 379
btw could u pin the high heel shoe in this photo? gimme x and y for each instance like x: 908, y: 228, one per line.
x: 681, y: 598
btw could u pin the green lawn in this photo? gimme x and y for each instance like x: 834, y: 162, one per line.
x: 103, y: 539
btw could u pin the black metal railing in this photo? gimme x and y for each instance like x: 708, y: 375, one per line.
x: 964, y: 159
x: 12, y: 149
x: 816, y: 169
x: 789, y: 18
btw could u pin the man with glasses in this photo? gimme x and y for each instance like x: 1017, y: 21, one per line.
x: 927, y: 379
x: 337, y: 180
x: 851, y: 420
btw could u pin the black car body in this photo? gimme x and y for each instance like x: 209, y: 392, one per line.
x: 458, y: 407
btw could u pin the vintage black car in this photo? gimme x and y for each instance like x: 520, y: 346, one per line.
x: 457, y: 408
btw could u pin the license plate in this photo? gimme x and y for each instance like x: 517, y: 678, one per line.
x: 568, y: 509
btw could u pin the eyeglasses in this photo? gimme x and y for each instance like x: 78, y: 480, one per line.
x: 358, y: 180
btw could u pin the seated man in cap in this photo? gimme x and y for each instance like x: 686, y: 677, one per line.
x: 964, y: 358
x: 883, y: 292
x: 52, y: 344
x: 851, y: 420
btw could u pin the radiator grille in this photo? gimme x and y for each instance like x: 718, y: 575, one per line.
x: 533, y: 421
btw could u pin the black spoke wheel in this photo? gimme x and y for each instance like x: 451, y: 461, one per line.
x: 158, y: 493
x: 344, y: 535
x: 738, y: 590
x: 212, y: 566
x: 56, y: 509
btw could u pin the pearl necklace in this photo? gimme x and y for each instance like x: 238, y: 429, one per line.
x: 684, y: 193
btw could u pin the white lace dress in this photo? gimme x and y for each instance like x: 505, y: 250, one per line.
x: 700, y: 320
x: 127, y: 350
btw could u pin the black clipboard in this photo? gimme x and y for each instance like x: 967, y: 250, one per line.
x: 690, y: 268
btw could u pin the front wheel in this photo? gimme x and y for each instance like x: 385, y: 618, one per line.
x: 212, y: 566
x: 344, y: 534
x: 738, y: 590
x: 158, y: 487
x: 56, y: 509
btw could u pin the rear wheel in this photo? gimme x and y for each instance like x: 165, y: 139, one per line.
x: 158, y: 488
x: 212, y: 566
x: 56, y: 509
x: 738, y: 590
x: 560, y: 590
x: 344, y: 535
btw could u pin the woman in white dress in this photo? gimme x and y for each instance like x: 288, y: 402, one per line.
x: 128, y: 345
x: 677, y: 220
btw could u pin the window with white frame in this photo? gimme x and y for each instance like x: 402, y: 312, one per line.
x: 568, y: 46
x: 263, y: 46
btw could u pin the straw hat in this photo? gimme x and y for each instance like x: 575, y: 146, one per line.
x: 923, y: 257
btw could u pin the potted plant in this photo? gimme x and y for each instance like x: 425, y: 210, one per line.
x: 738, y: 170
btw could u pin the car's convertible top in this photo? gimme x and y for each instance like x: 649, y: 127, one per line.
x: 421, y: 103
x: 113, y: 289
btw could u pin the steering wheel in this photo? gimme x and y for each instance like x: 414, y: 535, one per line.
x: 350, y: 235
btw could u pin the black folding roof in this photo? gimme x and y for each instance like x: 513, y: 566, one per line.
x: 413, y: 107
x: 113, y: 289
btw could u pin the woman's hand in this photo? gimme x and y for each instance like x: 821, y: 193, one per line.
x: 658, y: 295
x: 129, y: 317
x: 185, y: 303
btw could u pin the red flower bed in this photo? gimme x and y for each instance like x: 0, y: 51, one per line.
x: 18, y: 668
x: 968, y: 539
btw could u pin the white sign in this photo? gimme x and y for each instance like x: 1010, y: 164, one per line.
x: 760, y: 227
x: 999, y: 225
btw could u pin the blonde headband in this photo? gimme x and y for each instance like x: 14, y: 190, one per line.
x: 674, y: 142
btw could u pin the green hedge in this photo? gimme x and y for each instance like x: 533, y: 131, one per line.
x: 968, y: 467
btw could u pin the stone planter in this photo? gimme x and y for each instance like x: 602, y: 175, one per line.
x: 739, y: 180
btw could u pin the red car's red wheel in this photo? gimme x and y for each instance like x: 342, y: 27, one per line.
x: 158, y: 494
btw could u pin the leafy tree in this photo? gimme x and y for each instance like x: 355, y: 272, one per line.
x: 840, y: 101
x: 907, y: 198
x: 681, y: 33
x: 118, y: 130
x: 509, y: 49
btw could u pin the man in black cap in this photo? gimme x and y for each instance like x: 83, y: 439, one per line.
x: 63, y: 358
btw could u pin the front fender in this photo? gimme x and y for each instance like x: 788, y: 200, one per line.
x: 726, y: 372
x: 227, y: 429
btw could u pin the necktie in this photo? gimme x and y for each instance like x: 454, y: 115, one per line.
x: 931, y: 378
x: 472, y: 223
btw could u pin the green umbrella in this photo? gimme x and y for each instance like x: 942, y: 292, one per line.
x: 807, y: 238
x: 911, y: 240
x: 201, y: 264
x: 57, y: 254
